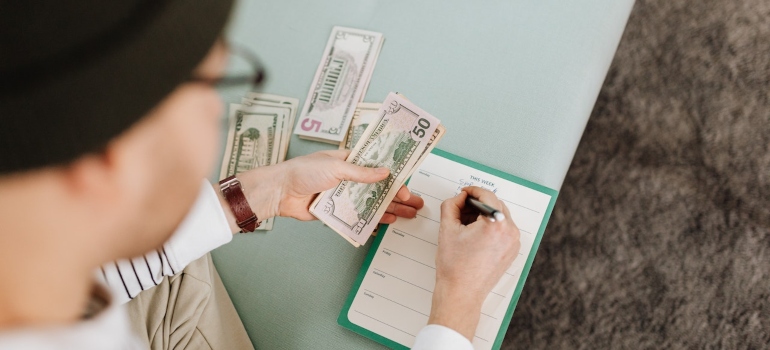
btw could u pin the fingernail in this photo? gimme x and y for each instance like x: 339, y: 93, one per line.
x: 382, y: 170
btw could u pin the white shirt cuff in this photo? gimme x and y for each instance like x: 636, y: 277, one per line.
x: 435, y: 337
x: 204, y: 229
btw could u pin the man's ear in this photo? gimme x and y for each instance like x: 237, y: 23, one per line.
x: 95, y: 178
x: 115, y: 173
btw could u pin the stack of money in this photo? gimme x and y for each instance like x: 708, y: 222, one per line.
x: 340, y: 83
x: 401, y: 137
x: 365, y: 114
x: 259, y: 133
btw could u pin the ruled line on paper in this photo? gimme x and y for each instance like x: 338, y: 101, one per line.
x: 431, y: 219
x: 403, y: 280
x: 409, y: 234
x: 395, y: 302
x: 417, y: 261
x: 385, y: 323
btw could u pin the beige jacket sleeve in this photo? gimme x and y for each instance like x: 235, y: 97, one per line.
x: 190, y: 310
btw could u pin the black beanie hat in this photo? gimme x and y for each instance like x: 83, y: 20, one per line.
x: 75, y: 74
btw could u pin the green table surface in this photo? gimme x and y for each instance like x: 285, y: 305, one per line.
x: 513, y: 82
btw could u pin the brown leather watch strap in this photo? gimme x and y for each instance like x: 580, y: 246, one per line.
x: 233, y: 193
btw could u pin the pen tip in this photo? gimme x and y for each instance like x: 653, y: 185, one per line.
x: 499, y: 216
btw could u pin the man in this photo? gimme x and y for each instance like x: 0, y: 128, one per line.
x: 110, y: 123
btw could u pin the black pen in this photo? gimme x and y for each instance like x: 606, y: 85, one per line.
x: 491, y: 213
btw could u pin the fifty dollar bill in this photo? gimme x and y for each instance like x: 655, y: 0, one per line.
x: 400, y: 138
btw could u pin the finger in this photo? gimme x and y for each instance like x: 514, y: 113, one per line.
x: 510, y: 221
x: 468, y: 218
x: 337, y: 153
x: 306, y: 216
x: 403, y: 193
x: 507, y: 213
x: 485, y: 196
x: 355, y: 173
x: 388, y: 218
x: 450, y: 208
x: 401, y: 210
x: 414, y: 201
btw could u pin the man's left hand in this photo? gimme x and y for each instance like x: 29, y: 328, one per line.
x: 287, y: 188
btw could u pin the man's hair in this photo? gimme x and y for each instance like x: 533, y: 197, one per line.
x: 74, y: 75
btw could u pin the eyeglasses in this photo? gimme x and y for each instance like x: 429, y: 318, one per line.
x: 253, y: 80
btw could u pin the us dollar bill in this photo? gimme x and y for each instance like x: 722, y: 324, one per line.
x: 255, y: 138
x: 287, y: 105
x: 339, y: 84
x: 399, y: 139
x: 366, y: 114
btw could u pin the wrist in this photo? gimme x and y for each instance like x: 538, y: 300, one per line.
x: 262, y: 191
x: 261, y: 195
x: 456, y: 308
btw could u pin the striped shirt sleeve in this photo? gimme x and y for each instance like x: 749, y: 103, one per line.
x: 203, y: 229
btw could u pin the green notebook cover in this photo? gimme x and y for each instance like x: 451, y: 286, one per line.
x: 343, y: 317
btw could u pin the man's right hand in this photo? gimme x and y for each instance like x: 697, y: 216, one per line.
x: 473, y: 253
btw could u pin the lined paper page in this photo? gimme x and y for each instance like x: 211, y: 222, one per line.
x: 394, y: 299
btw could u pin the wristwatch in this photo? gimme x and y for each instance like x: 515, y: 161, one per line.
x: 233, y: 193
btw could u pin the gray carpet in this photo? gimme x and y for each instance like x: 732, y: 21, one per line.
x: 661, y: 235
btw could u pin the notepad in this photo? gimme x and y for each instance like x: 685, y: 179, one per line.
x: 391, y: 299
